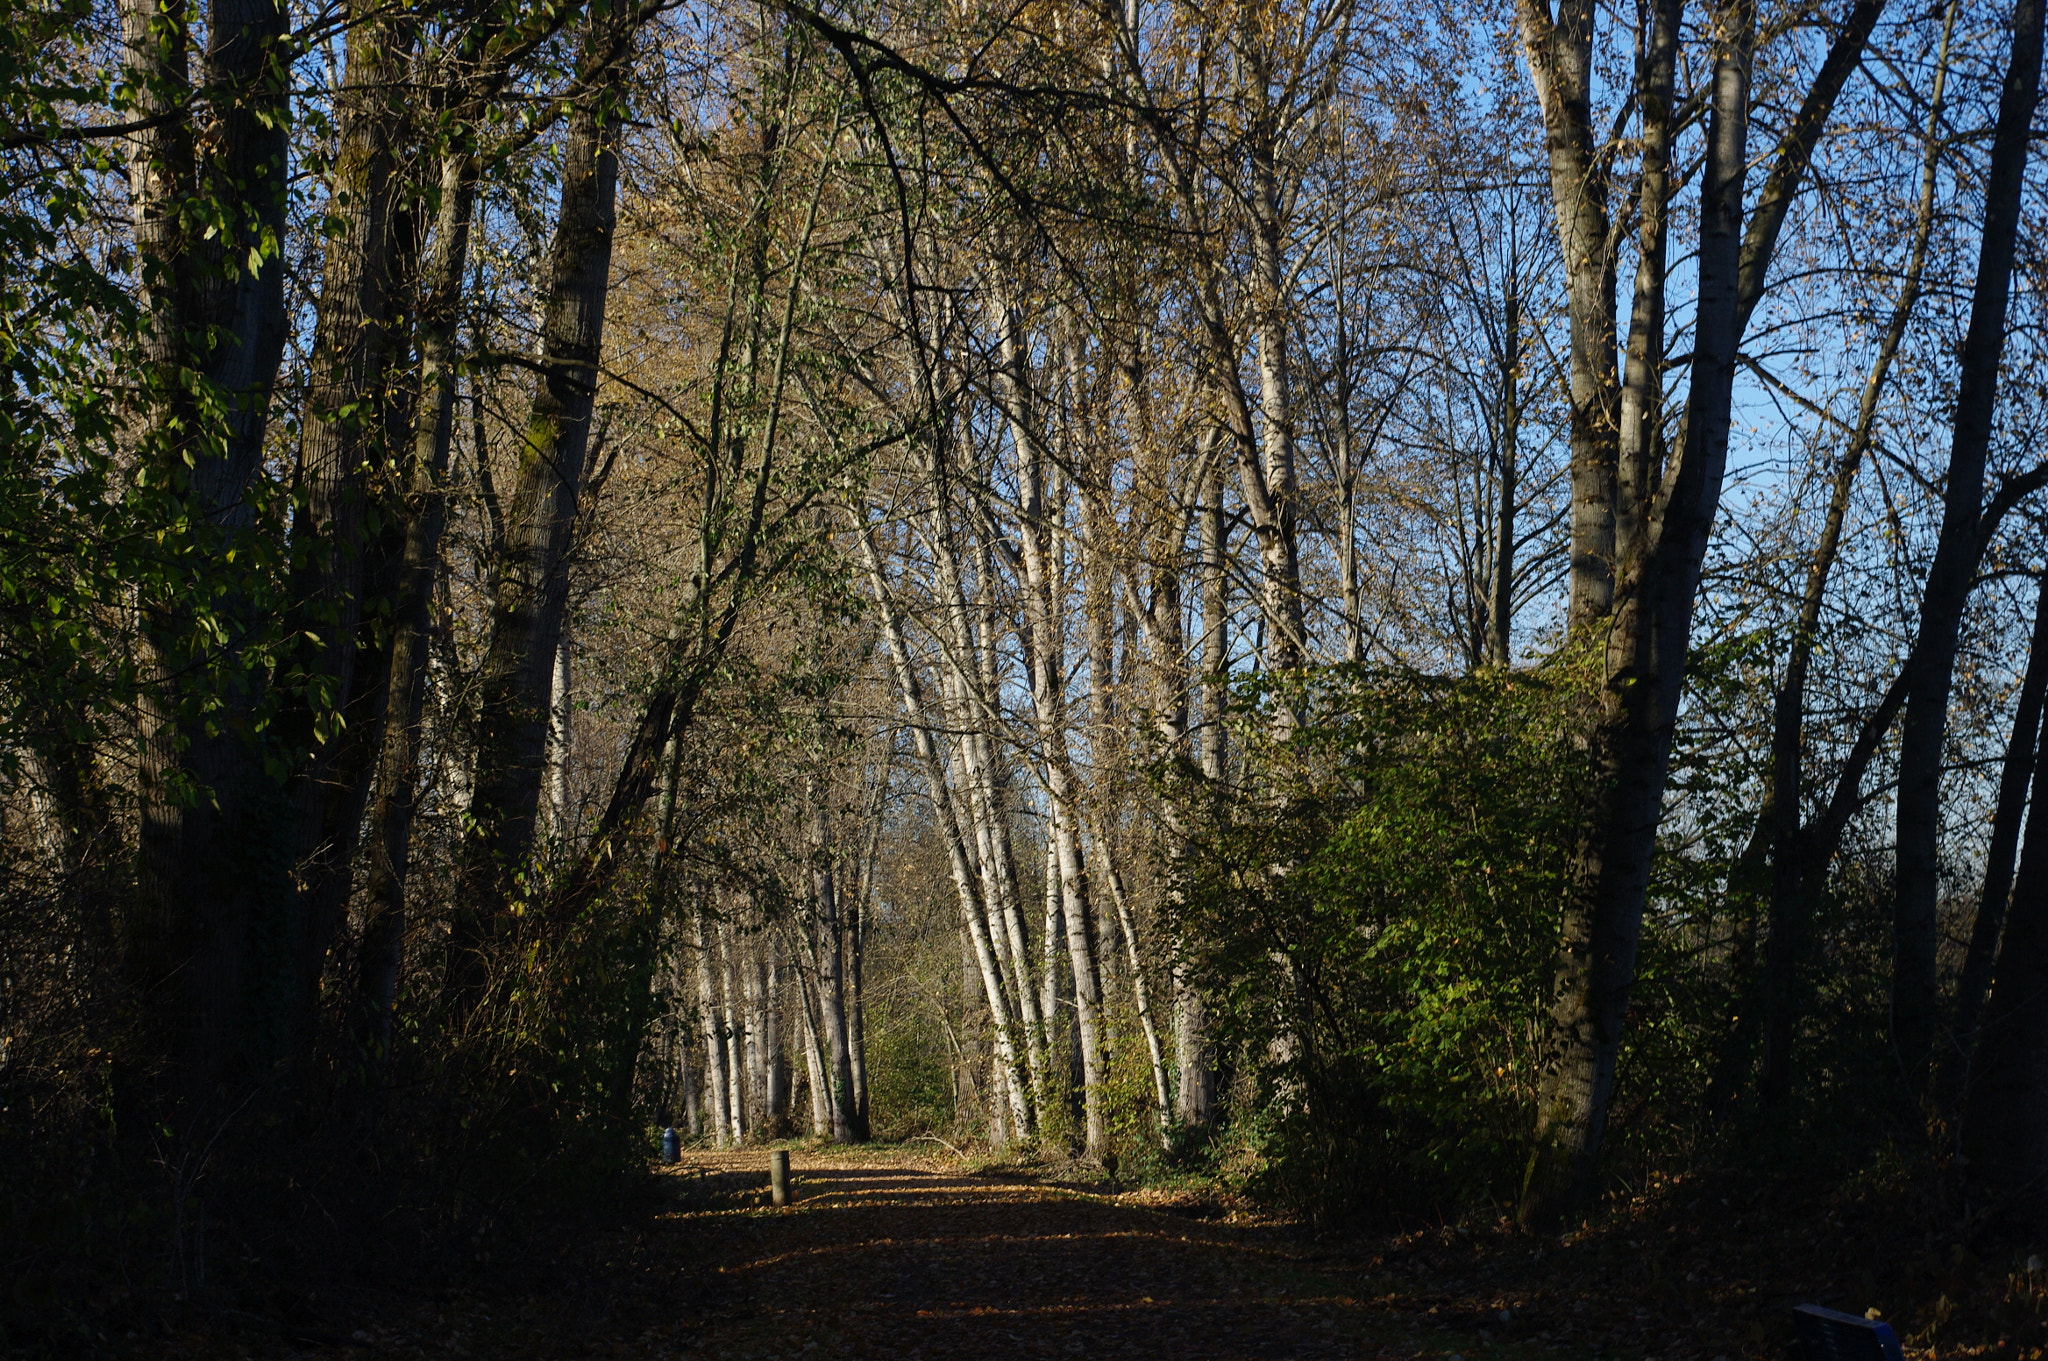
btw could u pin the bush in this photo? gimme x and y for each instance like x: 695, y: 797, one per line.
x: 1376, y: 917
x: 910, y: 1081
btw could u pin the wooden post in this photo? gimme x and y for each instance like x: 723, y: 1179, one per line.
x: 778, y: 1176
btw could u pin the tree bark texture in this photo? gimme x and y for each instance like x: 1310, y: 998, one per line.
x: 1560, y: 54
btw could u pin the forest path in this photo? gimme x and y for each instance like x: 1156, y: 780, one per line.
x: 896, y: 1259
x: 888, y: 1253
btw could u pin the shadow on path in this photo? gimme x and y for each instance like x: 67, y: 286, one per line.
x: 887, y: 1262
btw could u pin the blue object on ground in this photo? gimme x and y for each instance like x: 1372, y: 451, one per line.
x: 1829, y: 1335
x: 671, y: 1146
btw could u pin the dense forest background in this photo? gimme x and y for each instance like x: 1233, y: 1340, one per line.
x: 1410, y: 608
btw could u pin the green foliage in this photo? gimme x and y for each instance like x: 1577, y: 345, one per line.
x: 70, y: 541
x: 910, y: 1074
x: 1376, y: 915
x: 99, y: 532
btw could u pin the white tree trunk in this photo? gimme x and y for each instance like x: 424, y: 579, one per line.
x: 716, y: 1074
x: 814, y: 1063
x: 963, y: 667
x: 735, y: 1036
x: 1050, y: 941
x: 1140, y: 995
x: 774, y: 1054
x: 560, y: 739
x: 974, y: 917
x: 1045, y: 616
x: 832, y: 989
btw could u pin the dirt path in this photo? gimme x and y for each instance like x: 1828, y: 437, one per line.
x: 896, y: 1260
x: 889, y: 1255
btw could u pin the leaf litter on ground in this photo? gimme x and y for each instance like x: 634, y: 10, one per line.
x: 897, y: 1253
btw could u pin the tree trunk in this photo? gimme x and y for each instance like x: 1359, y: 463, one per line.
x: 846, y: 1123
x: 355, y: 447
x: 1642, y: 386
x: 966, y: 875
x: 1631, y: 740
x: 394, y: 792
x: 1924, y: 732
x: 529, y: 586
x: 774, y: 1053
x: 2005, y: 1113
x: 54, y: 779
x: 1656, y: 577
x: 732, y: 533
x: 1074, y: 899
x: 211, y: 924
x: 1286, y: 632
x: 1560, y: 56
x: 1266, y: 472
x: 750, y: 985
x: 561, y: 731
x: 967, y: 669
x: 693, y: 1096
x: 856, y: 1016
x: 716, y: 1076
x: 1195, y: 1098
x: 1500, y: 612
x: 2013, y: 782
x: 1140, y: 994
x: 743, y: 1095
x: 1051, y: 943
x: 1822, y: 837
x: 1779, y: 997
x: 1046, y: 653
x: 816, y: 1065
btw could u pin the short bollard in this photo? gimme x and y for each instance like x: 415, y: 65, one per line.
x: 778, y: 1176
x: 671, y: 1146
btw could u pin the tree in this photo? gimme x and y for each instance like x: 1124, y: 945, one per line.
x: 1915, y: 982
x: 1658, y: 507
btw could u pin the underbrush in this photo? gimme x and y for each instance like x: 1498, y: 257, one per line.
x: 131, y: 1206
